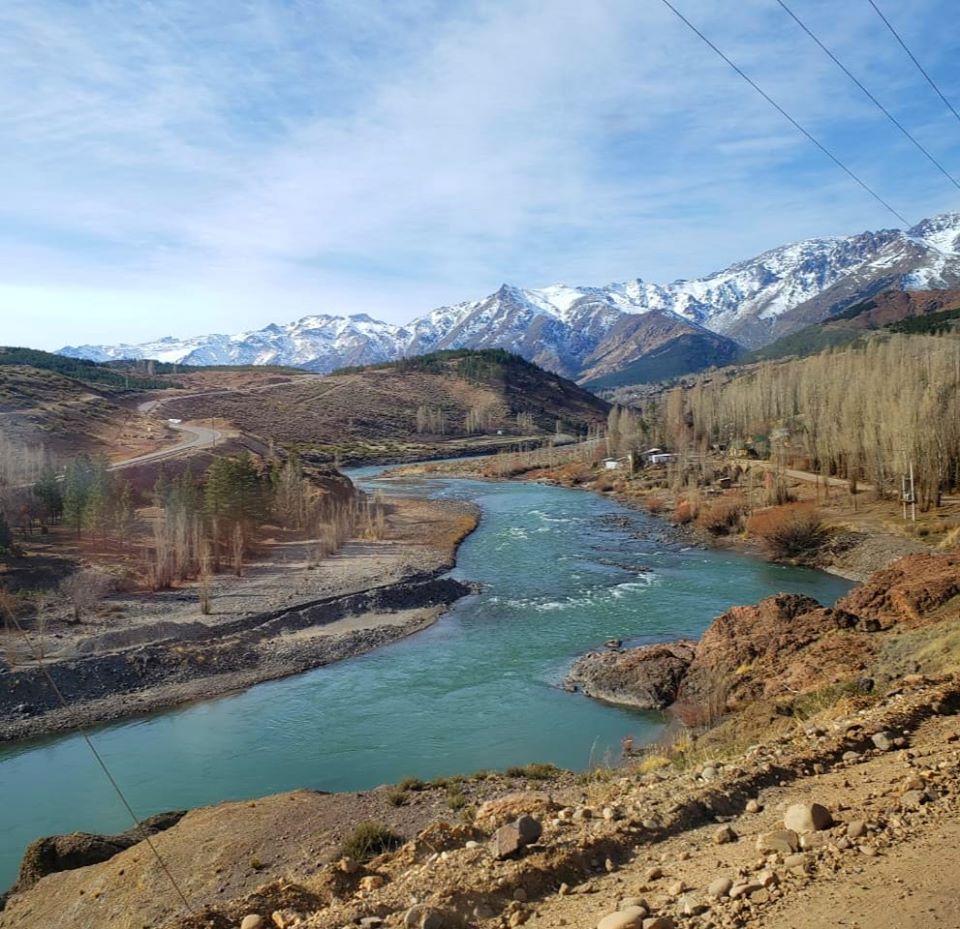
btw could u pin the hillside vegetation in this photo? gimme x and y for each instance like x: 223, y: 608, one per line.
x: 911, y: 312
x: 431, y: 404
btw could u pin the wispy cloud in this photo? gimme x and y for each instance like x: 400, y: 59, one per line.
x: 221, y: 165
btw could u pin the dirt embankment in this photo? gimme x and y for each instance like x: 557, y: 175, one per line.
x: 288, y: 614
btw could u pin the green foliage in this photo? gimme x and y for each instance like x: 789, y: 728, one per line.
x: 48, y: 494
x: 6, y: 536
x: 368, y: 840
x: 235, y: 492
x: 81, y: 369
x: 931, y: 324
x: 808, y: 341
x: 484, y: 366
x: 535, y: 772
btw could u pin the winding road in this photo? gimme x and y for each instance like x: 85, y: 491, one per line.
x: 194, y: 437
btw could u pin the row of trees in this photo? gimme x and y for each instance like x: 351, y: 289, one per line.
x: 478, y: 419
x: 862, y: 414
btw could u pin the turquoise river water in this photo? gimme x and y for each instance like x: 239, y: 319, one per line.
x: 562, y: 570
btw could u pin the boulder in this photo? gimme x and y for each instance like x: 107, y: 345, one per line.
x: 807, y: 817
x: 629, y: 918
x: 252, y: 921
x: 511, y: 838
x: 647, y: 677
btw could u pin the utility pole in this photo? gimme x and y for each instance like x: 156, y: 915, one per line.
x: 913, y: 496
x: 909, y: 496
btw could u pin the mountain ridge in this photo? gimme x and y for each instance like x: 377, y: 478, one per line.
x: 571, y: 330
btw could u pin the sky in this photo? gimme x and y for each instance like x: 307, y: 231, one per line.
x: 169, y: 167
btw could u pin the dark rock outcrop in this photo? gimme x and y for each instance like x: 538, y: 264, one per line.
x: 647, y: 677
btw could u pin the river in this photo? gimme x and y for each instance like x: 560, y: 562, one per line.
x: 562, y: 570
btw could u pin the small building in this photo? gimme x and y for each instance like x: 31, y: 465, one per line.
x: 611, y: 464
x: 657, y: 456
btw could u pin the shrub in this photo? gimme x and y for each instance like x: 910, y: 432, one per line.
x: 368, y: 840
x: 534, y: 772
x: 655, y: 506
x: 790, y: 531
x: 723, y: 517
x: 412, y: 783
x: 397, y: 797
x: 683, y: 513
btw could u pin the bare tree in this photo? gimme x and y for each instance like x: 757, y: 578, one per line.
x: 84, y: 589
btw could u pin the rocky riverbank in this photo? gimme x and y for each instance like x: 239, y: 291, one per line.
x: 788, y: 649
x: 858, y: 541
x: 140, y: 655
x: 838, y: 817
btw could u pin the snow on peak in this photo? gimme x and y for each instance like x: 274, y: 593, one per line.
x: 559, y: 325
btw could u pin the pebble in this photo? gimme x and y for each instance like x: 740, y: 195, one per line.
x: 658, y: 922
x: 744, y: 889
x: 782, y: 841
x: 637, y: 903
x: 252, y: 921
x: 688, y: 905
x: 654, y: 874
x: 720, y: 887
x: 675, y: 888
x: 856, y: 829
x: 724, y: 835
x: 753, y: 806
x: 882, y: 741
x: 422, y: 916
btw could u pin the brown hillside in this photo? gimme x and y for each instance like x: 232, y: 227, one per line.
x: 395, y: 411
x: 44, y: 408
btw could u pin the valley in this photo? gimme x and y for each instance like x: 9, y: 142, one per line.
x: 458, y: 582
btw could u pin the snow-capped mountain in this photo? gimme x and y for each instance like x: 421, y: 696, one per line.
x: 587, y: 332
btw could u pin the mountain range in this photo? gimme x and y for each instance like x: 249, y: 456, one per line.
x: 632, y: 331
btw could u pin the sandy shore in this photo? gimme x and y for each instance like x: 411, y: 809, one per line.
x: 141, y: 653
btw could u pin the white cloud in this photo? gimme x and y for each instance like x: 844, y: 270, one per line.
x: 272, y: 158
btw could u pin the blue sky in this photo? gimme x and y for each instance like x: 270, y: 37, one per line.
x: 175, y: 167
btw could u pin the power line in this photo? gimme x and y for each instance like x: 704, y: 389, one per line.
x: 103, y: 765
x: 872, y: 98
x: 848, y: 171
x: 913, y: 58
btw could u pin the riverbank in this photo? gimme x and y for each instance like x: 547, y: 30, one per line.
x: 705, y: 838
x: 289, y: 613
x: 862, y: 535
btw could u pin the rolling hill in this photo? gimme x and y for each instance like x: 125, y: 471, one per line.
x: 444, y: 402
